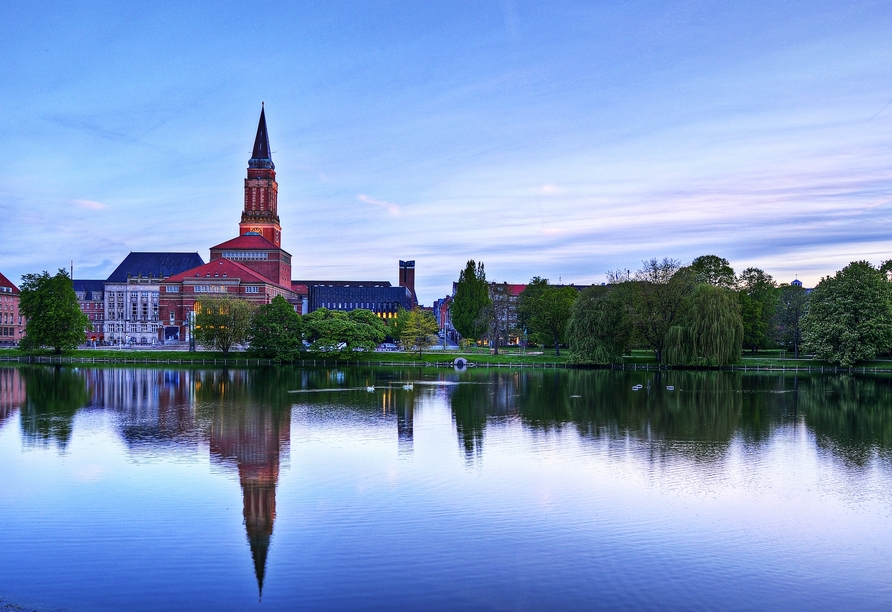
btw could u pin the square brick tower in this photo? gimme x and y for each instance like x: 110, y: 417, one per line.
x: 407, y: 278
x: 261, y: 214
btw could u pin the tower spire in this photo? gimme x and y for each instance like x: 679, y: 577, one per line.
x: 261, y: 157
x: 260, y: 215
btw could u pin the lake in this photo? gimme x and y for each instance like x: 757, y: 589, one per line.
x: 356, y: 488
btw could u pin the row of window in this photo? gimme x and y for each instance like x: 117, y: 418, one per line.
x: 245, y: 255
x: 7, y: 331
x: 132, y: 328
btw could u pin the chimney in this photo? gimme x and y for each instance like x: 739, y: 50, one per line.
x: 407, y: 278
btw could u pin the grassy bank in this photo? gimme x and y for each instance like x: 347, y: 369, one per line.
x: 506, y: 358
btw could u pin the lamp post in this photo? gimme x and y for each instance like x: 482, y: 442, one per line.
x: 192, y: 331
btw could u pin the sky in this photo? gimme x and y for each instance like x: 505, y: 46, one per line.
x: 553, y: 139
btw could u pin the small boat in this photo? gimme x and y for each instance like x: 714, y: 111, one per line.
x: 370, y: 389
x: 670, y: 388
x: 637, y: 387
x: 408, y: 387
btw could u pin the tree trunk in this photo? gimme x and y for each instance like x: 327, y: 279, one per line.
x: 557, y: 346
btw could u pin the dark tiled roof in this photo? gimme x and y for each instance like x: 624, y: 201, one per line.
x: 155, y: 264
x: 92, y: 288
x: 5, y: 282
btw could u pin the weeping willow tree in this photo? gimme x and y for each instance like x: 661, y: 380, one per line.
x: 710, y: 333
x: 599, y: 327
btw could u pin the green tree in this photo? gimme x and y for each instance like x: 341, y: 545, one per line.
x: 544, y: 310
x: 334, y: 330
x: 600, y: 328
x: 54, y: 317
x: 714, y: 270
x: 470, y: 302
x: 420, y: 330
x: 758, y: 297
x: 222, y: 321
x: 786, y: 325
x: 849, y: 317
x: 276, y: 331
x: 710, y: 332
x: 656, y: 298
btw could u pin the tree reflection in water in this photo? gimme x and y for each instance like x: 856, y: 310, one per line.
x: 245, y: 415
x: 52, y: 397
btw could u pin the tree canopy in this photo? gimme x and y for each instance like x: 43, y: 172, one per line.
x: 849, y: 317
x: 656, y: 298
x: 599, y: 328
x: 786, y: 324
x: 276, y: 331
x: 419, y: 331
x: 714, y: 270
x: 471, y: 301
x: 710, y: 332
x: 545, y: 311
x: 222, y: 321
x: 334, y: 330
x: 54, y: 318
x: 758, y: 297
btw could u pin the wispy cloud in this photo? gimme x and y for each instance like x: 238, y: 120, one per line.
x: 393, y: 209
x: 89, y: 204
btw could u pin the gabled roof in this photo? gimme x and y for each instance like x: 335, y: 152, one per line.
x: 5, y: 282
x: 220, y: 269
x: 260, y: 157
x: 92, y: 288
x: 246, y: 241
x: 155, y: 264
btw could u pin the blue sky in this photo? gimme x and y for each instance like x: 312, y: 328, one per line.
x: 554, y: 139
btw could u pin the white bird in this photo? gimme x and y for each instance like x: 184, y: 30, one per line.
x: 369, y: 389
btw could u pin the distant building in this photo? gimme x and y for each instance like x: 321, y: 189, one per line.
x: 381, y: 298
x: 12, y: 324
x: 132, y: 294
x: 407, y: 279
x: 91, y: 298
x: 796, y: 283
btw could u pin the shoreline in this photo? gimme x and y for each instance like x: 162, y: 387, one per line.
x: 428, y: 360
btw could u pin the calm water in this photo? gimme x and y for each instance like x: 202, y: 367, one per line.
x: 284, y: 489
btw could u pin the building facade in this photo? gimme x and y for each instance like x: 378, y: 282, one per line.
x: 91, y: 298
x: 382, y: 299
x: 12, y: 323
x: 132, y: 296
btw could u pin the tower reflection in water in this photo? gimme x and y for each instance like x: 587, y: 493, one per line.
x: 244, y: 416
x: 250, y: 433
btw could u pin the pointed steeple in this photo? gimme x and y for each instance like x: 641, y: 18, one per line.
x: 259, y: 550
x: 261, y: 157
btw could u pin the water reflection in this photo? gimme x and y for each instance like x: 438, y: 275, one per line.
x: 52, y: 396
x: 244, y: 416
x: 250, y: 432
x: 12, y: 393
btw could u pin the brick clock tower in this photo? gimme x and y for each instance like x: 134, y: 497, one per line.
x: 261, y: 214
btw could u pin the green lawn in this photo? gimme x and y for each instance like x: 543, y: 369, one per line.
x: 544, y: 357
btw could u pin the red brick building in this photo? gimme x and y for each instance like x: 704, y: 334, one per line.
x: 251, y: 266
x: 12, y: 324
